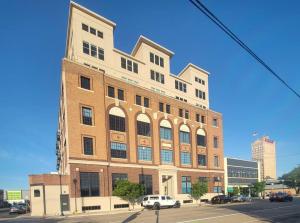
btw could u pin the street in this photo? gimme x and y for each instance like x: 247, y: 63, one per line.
x: 257, y: 211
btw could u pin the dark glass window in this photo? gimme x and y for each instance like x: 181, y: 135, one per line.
x: 180, y: 112
x: 86, y: 47
x: 100, y: 53
x: 88, y: 145
x: 161, y: 62
x: 216, y: 161
x: 202, y: 119
x: 152, y: 57
x: 100, y: 34
x: 37, y: 193
x: 116, y: 123
x: 89, y: 184
x: 161, y: 106
x: 165, y: 133
x: 201, y: 140
x: 201, y: 160
x: 162, y: 78
x: 197, y: 118
x: 123, y: 62
x: 216, y: 142
x: 146, y: 181
x: 152, y: 75
x: 143, y: 128
x: 129, y: 65
x: 111, y: 91
x: 87, y: 116
x: 92, y: 31
x: 215, y: 122
x: 135, y: 68
x: 203, y: 179
x: 120, y: 94
x: 168, y: 108
x: 187, y: 114
x: 85, y: 82
x: 156, y: 60
x: 186, y: 185
x: 118, y: 150
x: 146, y: 102
x: 138, y: 100
x: 93, y: 51
x: 85, y: 27
x: 144, y: 153
x: 203, y: 95
x: 184, y: 137
x: 117, y: 176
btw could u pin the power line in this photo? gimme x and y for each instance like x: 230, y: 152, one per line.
x: 234, y: 37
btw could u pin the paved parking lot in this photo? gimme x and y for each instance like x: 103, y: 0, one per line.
x: 257, y: 211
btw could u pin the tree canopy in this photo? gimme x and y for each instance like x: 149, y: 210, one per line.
x: 198, y: 190
x: 292, y: 179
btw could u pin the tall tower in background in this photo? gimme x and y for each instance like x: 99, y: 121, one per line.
x: 264, y: 151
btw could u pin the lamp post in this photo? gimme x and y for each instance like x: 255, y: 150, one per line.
x: 75, y: 184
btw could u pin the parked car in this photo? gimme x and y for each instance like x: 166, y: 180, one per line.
x: 158, y: 201
x: 240, y: 198
x: 281, y: 197
x: 220, y: 199
x: 17, y: 209
x: 25, y: 206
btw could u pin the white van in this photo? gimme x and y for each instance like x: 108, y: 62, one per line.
x: 157, y: 201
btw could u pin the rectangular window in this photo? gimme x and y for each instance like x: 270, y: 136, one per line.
x: 166, y: 156
x: 216, y: 161
x: 203, y: 179
x: 145, y: 153
x: 162, y: 78
x: 156, y: 60
x: 86, y: 47
x: 180, y: 112
x: 111, y: 91
x: 217, y: 189
x: 201, y: 140
x: 201, y: 160
x: 88, y: 146
x: 87, y: 116
x: 184, y: 137
x: 146, y: 102
x: 161, y: 106
x: 186, y: 114
x: 100, y: 53
x: 151, y: 57
x: 123, y: 62
x: 117, y: 176
x: 138, y: 100
x: 216, y: 142
x: 168, y: 108
x: 116, y: 123
x: 186, y: 185
x: 118, y: 150
x: 161, y: 62
x: 93, y: 51
x: 85, y: 27
x: 152, y: 75
x: 92, y: 31
x: 143, y: 128
x: 100, y: 34
x: 146, y: 181
x: 135, y: 68
x: 202, y: 119
x: 89, y: 184
x: 121, y: 94
x: 85, y: 82
x: 165, y: 133
x: 129, y: 65
x: 215, y: 122
x: 185, y: 158
x: 203, y: 95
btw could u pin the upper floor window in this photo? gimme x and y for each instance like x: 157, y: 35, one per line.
x: 181, y: 99
x: 201, y: 160
x: 92, y: 30
x: 199, y: 80
x: 156, y: 76
x: 146, y: 102
x: 91, y: 49
x: 100, y: 53
x: 156, y: 59
x: 116, y: 119
x: 87, y: 114
x: 166, y: 156
x: 216, y: 142
x: 85, y: 82
x: 138, y: 100
x: 183, y: 113
x: 145, y: 153
x: 111, y: 93
x: 85, y: 27
x: 216, y: 161
x: 184, y: 134
x: 86, y: 47
x: 180, y: 112
x: 87, y: 145
x: 129, y: 65
x: 185, y: 158
x: 143, y: 128
x: 200, y: 94
x: 168, y: 108
x: 215, y: 122
x: 100, y: 34
x: 201, y: 137
x: 118, y: 150
x: 180, y: 86
x: 120, y: 94
x: 165, y: 130
x: 161, y: 106
x: 89, y: 184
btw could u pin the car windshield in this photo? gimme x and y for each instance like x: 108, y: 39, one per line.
x: 145, y: 199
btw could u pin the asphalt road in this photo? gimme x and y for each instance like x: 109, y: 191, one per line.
x: 256, y: 211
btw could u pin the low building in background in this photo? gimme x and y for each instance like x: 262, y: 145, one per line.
x: 275, y: 186
x: 241, y: 174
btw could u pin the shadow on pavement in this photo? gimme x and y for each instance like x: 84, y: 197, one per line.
x: 132, y: 217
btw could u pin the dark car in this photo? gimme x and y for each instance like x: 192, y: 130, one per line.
x: 280, y: 197
x: 220, y: 199
x: 17, y: 209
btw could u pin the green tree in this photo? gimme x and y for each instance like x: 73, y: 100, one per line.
x: 259, y: 187
x: 292, y: 179
x: 128, y: 191
x: 198, y: 190
x: 236, y: 191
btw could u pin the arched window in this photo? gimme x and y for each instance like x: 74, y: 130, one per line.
x: 165, y: 130
x: 143, y: 125
x: 116, y: 119
x: 184, y: 134
x: 201, y: 137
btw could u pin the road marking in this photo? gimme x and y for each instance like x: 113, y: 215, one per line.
x: 227, y: 215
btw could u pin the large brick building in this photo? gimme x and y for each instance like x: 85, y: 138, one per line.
x: 126, y: 116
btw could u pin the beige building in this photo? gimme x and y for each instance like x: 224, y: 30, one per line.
x: 264, y: 151
x: 126, y: 116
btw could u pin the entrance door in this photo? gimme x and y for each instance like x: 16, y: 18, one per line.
x: 167, y: 182
x: 65, y: 202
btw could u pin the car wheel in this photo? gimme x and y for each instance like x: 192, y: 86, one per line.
x: 156, y: 206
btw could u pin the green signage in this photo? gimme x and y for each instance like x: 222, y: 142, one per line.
x: 14, y: 195
x: 230, y: 189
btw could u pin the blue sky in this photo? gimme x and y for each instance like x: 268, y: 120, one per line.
x: 33, y: 37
